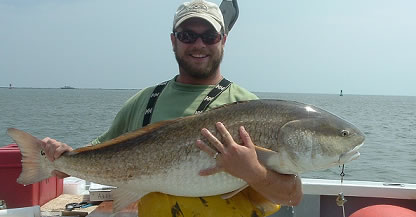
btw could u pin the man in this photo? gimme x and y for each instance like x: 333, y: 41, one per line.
x: 198, y: 41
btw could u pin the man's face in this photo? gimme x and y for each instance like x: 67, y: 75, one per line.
x: 199, y: 60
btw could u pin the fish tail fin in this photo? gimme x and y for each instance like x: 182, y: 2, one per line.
x: 35, y: 166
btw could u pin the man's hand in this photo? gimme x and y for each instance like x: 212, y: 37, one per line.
x: 53, y: 150
x: 240, y: 160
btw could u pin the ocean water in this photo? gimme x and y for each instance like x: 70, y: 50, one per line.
x: 78, y: 116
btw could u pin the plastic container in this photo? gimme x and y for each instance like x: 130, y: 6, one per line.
x: 73, y: 185
x: 33, y: 211
x: 17, y: 195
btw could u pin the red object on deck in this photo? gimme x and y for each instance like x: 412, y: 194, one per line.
x: 384, y: 211
x: 17, y: 195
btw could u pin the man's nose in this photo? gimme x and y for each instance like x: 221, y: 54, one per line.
x: 199, y: 42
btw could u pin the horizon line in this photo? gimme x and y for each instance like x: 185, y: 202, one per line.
x: 100, y: 88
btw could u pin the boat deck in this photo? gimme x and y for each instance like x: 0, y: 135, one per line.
x: 319, y: 200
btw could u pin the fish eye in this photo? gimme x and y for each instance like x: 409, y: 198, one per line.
x: 345, y: 133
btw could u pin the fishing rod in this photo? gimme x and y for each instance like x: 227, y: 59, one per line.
x: 230, y: 11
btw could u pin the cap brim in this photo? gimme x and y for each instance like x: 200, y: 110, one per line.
x: 211, y: 20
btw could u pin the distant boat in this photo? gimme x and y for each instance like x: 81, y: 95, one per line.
x: 341, y: 93
x: 67, y: 87
x: 10, y: 86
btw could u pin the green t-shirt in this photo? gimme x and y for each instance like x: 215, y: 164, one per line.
x: 176, y: 100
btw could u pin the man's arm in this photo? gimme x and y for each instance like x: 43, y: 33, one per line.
x: 241, y: 161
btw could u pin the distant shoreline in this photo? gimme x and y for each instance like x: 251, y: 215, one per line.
x: 60, y: 88
x: 91, y: 88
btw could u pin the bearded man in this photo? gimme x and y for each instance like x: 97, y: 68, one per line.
x: 198, y: 41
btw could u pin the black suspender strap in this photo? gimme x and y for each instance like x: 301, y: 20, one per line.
x: 213, y: 94
x: 152, y: 102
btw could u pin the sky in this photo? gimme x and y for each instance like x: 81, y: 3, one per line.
x: 365, y: 47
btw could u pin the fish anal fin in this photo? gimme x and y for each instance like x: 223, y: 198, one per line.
x: 125, y: 137
x: 233, y: 193
x: 123, y: 197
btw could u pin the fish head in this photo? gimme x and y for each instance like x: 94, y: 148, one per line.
x: 319, y: 141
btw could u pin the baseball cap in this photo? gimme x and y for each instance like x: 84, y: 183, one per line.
x: 202, y: 9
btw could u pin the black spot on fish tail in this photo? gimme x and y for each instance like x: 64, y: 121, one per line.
x: 176, y: 211
x: 204, y: 202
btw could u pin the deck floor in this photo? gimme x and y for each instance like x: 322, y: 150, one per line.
x: 56, y: 207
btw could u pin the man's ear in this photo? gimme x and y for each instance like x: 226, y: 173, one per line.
x: 173, y: 40
x: 224, y: 39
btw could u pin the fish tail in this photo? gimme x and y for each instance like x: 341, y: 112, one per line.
x: 35, y: 166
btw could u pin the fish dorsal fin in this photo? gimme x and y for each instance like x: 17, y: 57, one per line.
x: 140, y: 132
x: 127, y: 136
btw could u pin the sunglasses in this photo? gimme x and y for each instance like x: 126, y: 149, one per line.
x: 189, y: 37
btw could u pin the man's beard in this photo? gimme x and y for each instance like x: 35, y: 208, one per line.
x: 198, y: 72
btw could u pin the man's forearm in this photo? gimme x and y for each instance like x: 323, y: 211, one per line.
x: 278, y: 188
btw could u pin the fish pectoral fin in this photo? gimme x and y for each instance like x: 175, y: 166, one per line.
x: 264, y: 154
x: 275, y: 161
x: 124, y: 197
x: 232, y: 193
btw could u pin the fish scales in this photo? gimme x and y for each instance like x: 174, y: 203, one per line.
x: 290, y: 137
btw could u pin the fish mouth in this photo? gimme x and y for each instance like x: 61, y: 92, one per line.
x: 349, y: 156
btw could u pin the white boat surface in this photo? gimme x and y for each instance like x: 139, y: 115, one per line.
x: 320, y: 195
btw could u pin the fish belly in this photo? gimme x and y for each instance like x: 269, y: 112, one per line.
x: 184, y: 180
